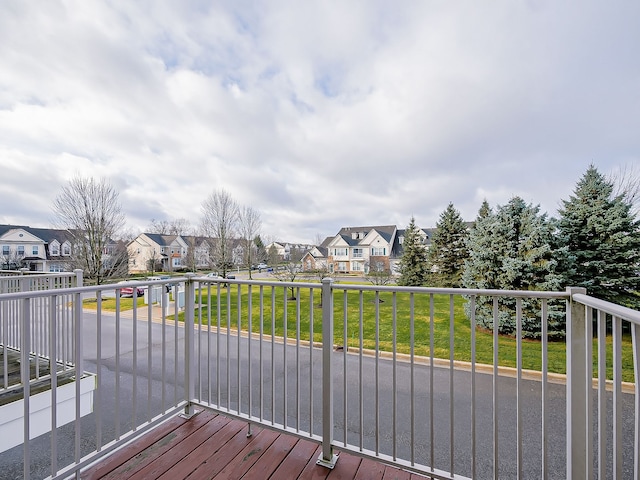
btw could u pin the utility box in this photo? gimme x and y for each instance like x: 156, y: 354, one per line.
x: 178, y: 295
x: 153, y: 294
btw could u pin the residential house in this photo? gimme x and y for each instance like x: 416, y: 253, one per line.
x: 316, y: 257
x: 358, y: 249
x: 154, y: 251
x: 198, y: 254
x: 36, y: 249
x: 177, y: 252
x: 287, y: 251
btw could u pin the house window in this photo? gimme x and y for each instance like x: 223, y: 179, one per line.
x: 358, y: 252
x: 5, y: 250
x: 356, y: 266
x: 342, y: 266
x: 55, y: 249
x: 56, y: 267
x: 378, y: 251
x: 34, y: 250
x: 66, y: 249
x: 21, y: 250
x: 337, y: 252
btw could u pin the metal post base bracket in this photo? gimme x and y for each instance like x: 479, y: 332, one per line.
x: 189, y: 413
x: 327, y: 463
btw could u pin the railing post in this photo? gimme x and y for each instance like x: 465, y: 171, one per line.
x: 327, y: 458
x: 77, y: 340
x: 79, y: 277
x: 635, y: 342
x: 189, y: 344
x: 25, y: 374
x: 578, y: 388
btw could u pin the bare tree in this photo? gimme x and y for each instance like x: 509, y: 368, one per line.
x: 90, y: 211
x: 249, y: 224
x: 161, y: 227
x: 116, y: 265
x: 319, y: 273
x: 176, y: 226
x: 288, y: 273
x: 379, y: 274
x: 626, y: 182
x: 13, y: 261
x: 153, y: 261
x: 180, y: 226
x: 220, y: 222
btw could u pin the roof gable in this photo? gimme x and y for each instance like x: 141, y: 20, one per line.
x: 338, y: 241
x: 376, y: 236
x: 20, y: 235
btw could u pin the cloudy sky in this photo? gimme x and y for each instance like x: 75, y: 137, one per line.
x: 317, y: 114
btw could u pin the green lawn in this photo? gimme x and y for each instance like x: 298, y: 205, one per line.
x: 109, y: 303
x: 507, y: 346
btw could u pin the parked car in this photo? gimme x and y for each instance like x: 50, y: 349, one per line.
x: 262, y: 266
x: 128, y: 291
x: 161, y: 277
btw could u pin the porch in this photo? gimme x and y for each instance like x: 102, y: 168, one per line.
x: 323, y: 366
x: 213, y: 446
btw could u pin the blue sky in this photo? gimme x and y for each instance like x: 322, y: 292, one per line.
x: 318, y: 114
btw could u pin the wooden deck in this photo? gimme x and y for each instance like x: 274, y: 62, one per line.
x: 211, y: 446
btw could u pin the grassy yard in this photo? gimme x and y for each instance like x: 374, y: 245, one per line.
x: 109, y: 303
x: 348, y: 306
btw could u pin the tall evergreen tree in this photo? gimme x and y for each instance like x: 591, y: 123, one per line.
x: 484, y: 211
x: 261, y: 251
x: 511, y: 250
x: 448, y: 250
x: 413, y: 263
x: 601, y: 241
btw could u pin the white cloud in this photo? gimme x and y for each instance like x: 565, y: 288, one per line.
x: 319, y: 115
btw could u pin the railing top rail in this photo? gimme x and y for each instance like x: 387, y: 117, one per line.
x: 354, y: 287
x: 84, y: 289
x: 274, y: 283
x: 619, y: 311
x: 394, y: 288
x: 18, y: 273
x: 456, y: 291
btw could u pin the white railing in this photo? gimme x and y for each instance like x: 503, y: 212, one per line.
x: 327, y: 362
x: 583, y: 416
x: 11, y: 318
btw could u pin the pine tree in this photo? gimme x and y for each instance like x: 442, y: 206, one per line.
x: 601, y: 241
x: 448, y: 250
x: 484, y: 211
x: 511, y: 250
x: 413, y: 263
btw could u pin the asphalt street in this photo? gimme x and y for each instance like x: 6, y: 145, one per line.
x: 283, y: 384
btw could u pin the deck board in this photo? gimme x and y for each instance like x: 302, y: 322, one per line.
x: 211, y: 446
x: 224, y: 443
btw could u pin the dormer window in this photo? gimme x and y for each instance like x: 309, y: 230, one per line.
x: 66, y: 249
x: 55, y: 249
